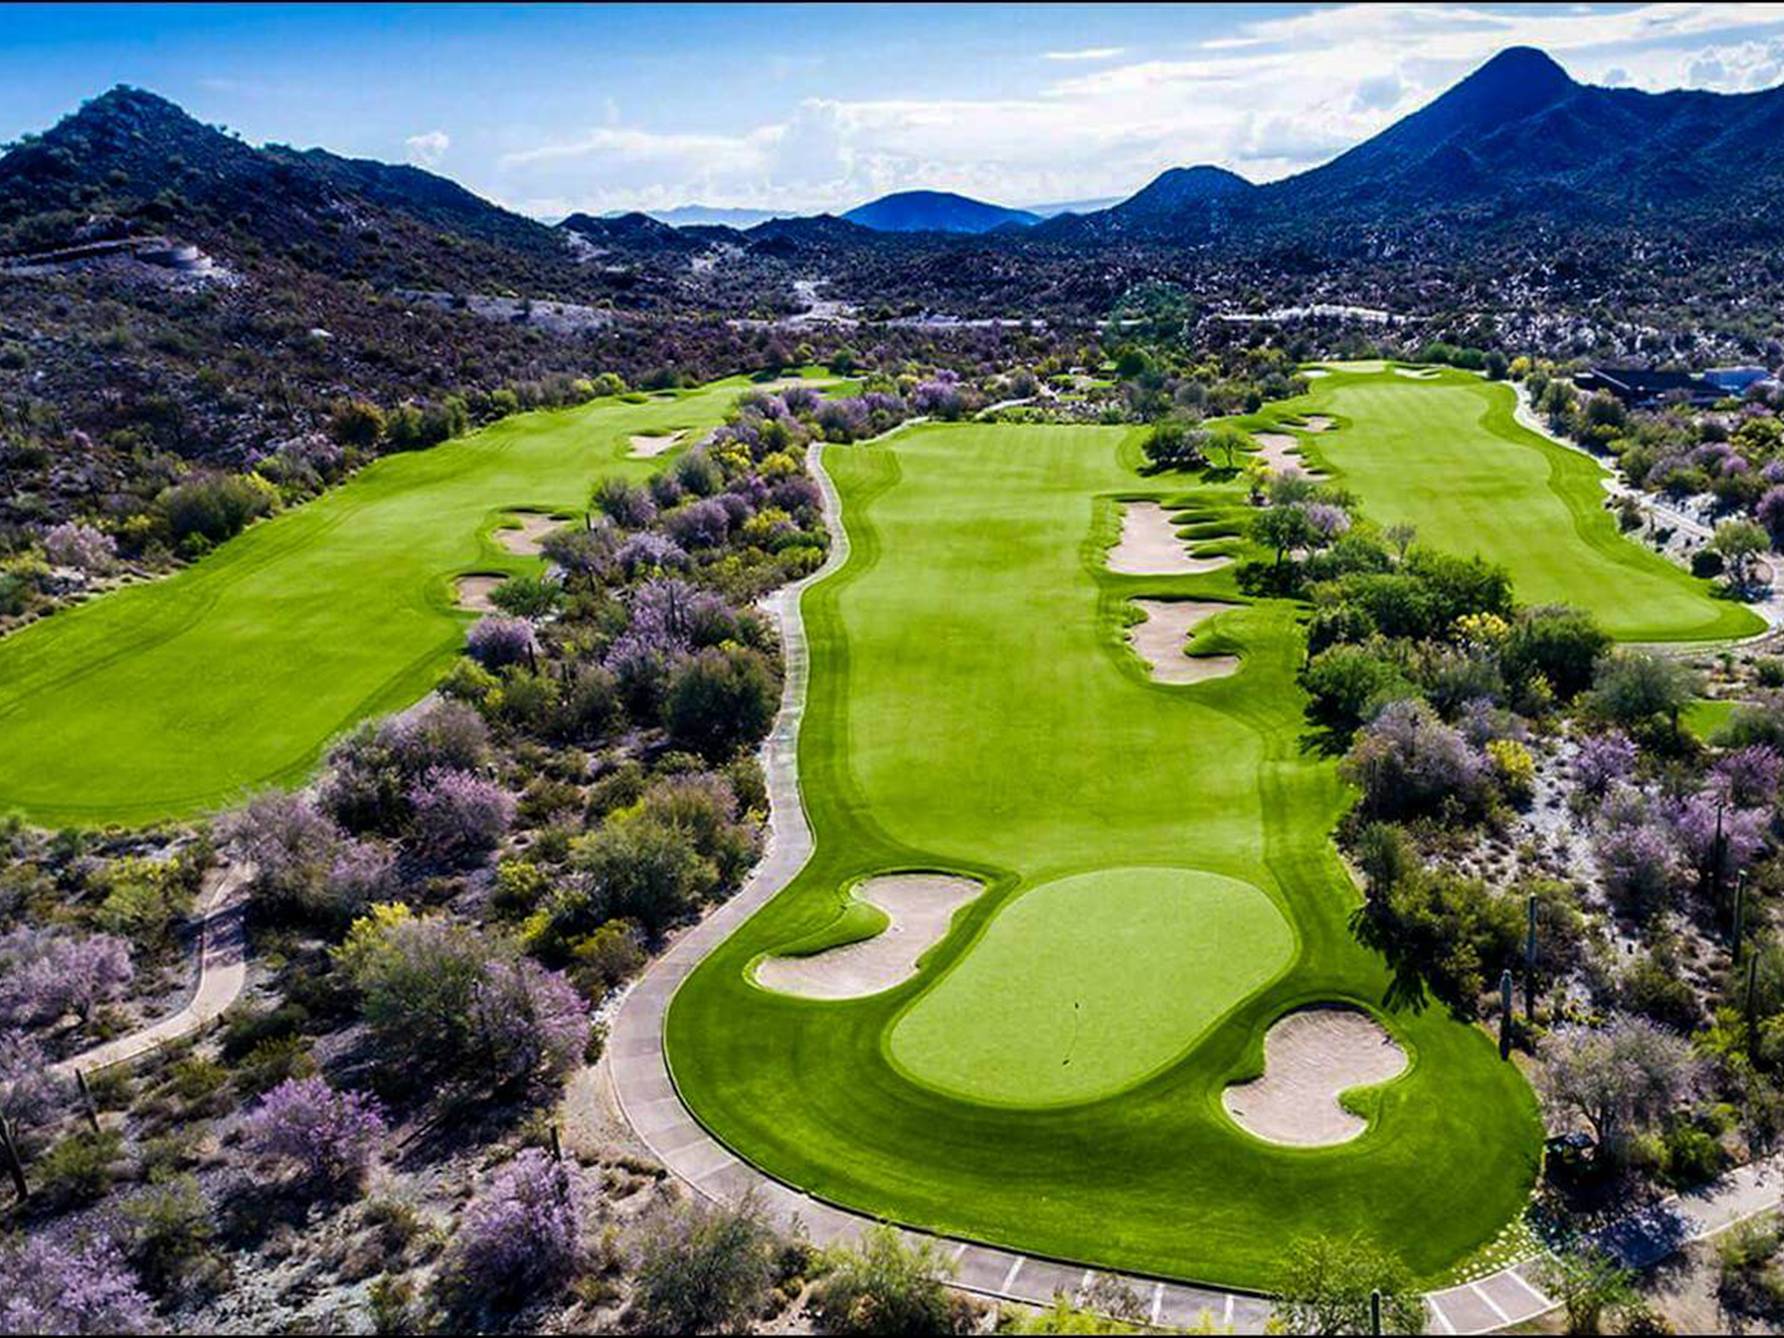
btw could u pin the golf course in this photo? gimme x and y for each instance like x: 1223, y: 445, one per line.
x: 168, y: 699
x: 1159, y: 882
x: 1109, y: 882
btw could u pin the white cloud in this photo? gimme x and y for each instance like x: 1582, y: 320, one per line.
x: 1273, y: 97
x: 426, y: 150
x: 1086, y: 53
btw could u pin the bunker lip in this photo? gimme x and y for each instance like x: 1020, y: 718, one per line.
x: 920, y: 907
x: 528, y: 538
x: 472, y: 591
x: 1149, y: 545
x: 648, y: 447
x: 1159, y: 640
x: 1311, y: 1057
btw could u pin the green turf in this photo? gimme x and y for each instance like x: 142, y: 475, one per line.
x: 972, y: 708
x: 1084, y: 986
x: 171, y: 698
x: 1706, y: 716
x: 1448, y: 455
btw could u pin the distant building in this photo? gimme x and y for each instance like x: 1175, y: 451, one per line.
x: 1736, y: 380
x: 1641, y: 388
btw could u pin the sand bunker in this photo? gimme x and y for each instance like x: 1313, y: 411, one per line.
x: 1149, y: 545
x: 1309, y: 1058
x: 1314, y: 373
x: 473, y: 592
x: 1416, y: 373
x: 1280, y: 451
x: 921, y: 907
x: 1159, y: 641
x: 643, y: 448
x: 527, y: 539
x: 1317, y: 423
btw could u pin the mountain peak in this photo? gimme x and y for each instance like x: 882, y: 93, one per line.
x: 1178, y: 188
x: 1524, y: 71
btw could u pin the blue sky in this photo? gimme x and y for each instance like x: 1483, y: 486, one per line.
x: 554, y: 108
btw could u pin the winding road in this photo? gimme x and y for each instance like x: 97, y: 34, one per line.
x: 222, y: 971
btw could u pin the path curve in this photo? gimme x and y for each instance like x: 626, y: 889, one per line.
x: 222, y: 971
x: 648, y: 1099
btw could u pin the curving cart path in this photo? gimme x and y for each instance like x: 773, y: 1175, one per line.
x: 648, y: 1099
x: 222, y: 971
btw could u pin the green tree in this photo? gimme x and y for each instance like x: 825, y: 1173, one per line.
x: 886, y: 1286
x: 1739, y: 543
x: 1327, y: 1285
x: 1589, y: 1284
x: 1633, y: 687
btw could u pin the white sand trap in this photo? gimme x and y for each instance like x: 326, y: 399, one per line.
x: 1416, y: 373
x: 1310, y: 1057
x: 1281, y: 451
x: 1314, y: 373
x: 1317, y: 423
x: 1159, y: 641
x: 643, y: 448
x: 474, y: 591
x: 1149, y: 545
x: 526, y: 540
x: 921, y: 907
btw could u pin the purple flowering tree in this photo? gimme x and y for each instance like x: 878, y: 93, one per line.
x: 31, y: 1094
x: 72, y: 544
x: 1408, y: 761
x: 289, y: 847
x: 457, y: 816
x: 702, y: 524
x: 46, y: 974
x: 1770, y: 512
x: 529, y: 1021
x: 1747, y: 777
x: 650, y: 552
x: 497, y: 641
x: 50, y: 1288
x: 523, y: 1232
x: 1603, y: 760
x: 328, y: 1137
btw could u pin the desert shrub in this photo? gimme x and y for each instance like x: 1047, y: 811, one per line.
x: 719, y: 701
x: 887, y: 1286
x: 458, y: 817
x: 1328, y: 1281
x: 81, y: 1167
x: 703, y: 1268
x: 214, y: 507
x: 171, y: 1228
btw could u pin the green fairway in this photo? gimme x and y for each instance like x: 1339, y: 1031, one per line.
x: 1445, y: 453
x: 1083, y: 986
x: 972, y: 709
x: 176, y: 697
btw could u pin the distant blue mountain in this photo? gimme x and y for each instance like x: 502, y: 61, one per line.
x: 935, y: 211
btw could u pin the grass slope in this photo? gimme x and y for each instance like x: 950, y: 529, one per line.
x: 972, y: 708
x: 167, y: 699
x: 1446, y: 453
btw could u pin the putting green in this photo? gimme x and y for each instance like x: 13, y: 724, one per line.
x: 171, y: 698
x: 1086, y: 985
x: 1447, y: 454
